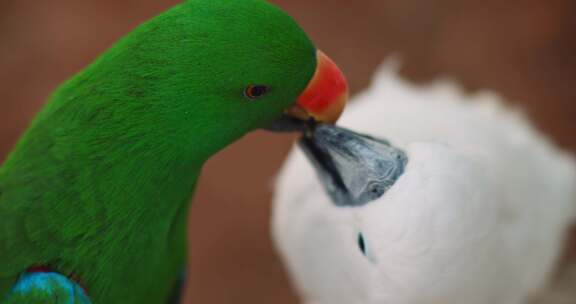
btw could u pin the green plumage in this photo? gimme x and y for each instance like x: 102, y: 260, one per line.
x: 99, y: 185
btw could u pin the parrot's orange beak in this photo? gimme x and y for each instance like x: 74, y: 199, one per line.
x: 326, y: 95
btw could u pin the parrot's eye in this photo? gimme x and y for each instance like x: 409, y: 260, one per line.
x: 361, y: 243
x: 256, y: 91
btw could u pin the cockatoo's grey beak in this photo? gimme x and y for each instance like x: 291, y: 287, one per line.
x: 354, y: 169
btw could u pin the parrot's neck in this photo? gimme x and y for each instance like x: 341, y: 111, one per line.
x: 147, y: 190
x: 151, y: 190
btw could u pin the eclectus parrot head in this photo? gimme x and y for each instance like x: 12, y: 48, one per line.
x: 228, y: 67
x: 257, y: 69
x: 203, y: 74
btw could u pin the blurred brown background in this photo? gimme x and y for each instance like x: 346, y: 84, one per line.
x: 523, y: 49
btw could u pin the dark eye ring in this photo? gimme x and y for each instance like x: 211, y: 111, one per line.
x: 255, y: 91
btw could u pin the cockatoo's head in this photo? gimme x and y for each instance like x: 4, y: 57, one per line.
x: 345, y: 242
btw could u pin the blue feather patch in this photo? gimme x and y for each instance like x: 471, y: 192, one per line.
x: 49, y: 285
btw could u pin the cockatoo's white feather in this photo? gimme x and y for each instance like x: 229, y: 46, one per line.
x: 478, y: 217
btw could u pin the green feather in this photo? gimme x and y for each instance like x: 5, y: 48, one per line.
x: 99, y: 184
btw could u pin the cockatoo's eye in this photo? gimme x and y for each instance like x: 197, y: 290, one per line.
x: 361, y: 243
x: 255, y: 91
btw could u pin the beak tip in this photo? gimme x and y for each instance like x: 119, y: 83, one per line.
x: 332, y: 113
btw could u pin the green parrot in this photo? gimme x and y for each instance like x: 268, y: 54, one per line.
x: 94, y: 197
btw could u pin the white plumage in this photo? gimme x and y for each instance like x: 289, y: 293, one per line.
x: 478, y: 217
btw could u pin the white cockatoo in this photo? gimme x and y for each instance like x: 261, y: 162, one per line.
x: 471, y: 206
